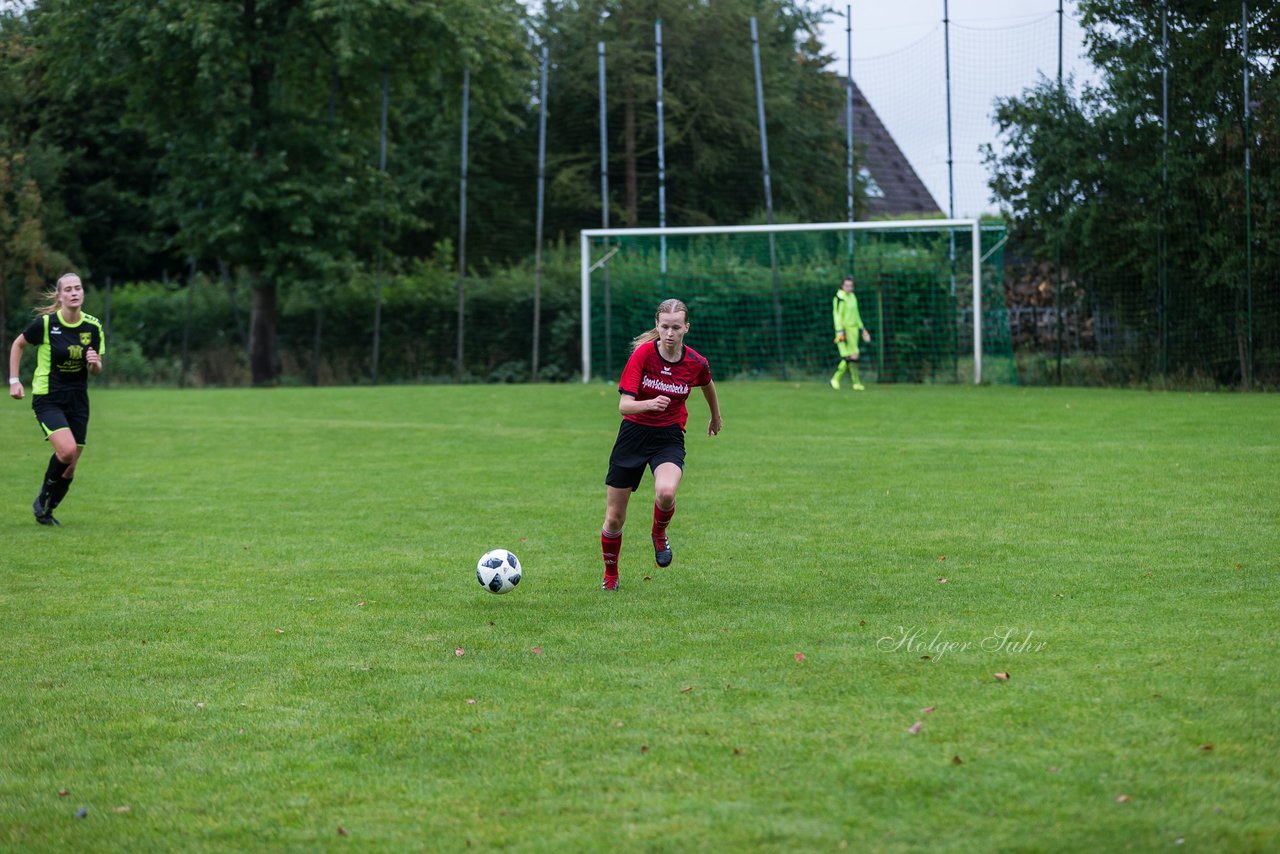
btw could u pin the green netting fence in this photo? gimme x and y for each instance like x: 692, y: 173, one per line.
x: 758, y: 311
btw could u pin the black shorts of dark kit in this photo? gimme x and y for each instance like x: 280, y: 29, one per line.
x: 66, y: 408
x: 639, y: 445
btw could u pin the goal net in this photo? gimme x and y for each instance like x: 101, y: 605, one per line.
x: 760, y: 297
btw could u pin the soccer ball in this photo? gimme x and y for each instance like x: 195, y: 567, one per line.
x: 498, y: 571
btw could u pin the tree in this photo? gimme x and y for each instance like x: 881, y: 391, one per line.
x: 1159, y: 226
x: 27, y: 260
x: 264, y: 117
x: 711, y: 134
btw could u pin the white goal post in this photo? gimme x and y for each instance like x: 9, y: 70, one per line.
x: 587, y: 265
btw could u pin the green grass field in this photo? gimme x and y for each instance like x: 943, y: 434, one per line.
x: 259, y: 627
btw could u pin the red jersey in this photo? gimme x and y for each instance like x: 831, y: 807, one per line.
x: 648, y: 375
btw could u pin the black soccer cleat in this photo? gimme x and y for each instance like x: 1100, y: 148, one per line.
x: 662, y: 552
x: 43, y: 515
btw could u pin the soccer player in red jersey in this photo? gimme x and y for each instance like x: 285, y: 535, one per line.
x: 657, y: 380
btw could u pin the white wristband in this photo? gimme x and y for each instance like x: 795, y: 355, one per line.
x: 14, y: 380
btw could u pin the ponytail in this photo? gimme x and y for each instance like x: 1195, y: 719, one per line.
x: 52, y: 302
x: 671, y: 306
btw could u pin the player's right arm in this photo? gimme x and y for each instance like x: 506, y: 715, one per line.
x: 628, y: 405
x: 15, y: 364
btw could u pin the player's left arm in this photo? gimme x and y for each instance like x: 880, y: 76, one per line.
x: 94, y: 358
x: 713, y: 403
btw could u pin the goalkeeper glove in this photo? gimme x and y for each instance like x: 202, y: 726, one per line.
x: 839, y: 337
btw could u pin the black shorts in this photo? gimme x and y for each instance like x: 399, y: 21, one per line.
x: 639, y: 445
x: 63, y: 410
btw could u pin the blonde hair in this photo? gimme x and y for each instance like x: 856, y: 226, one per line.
x: 51, y: 300
x: 670, y: 306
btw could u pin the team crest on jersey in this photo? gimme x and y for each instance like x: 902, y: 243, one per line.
x: 86, y: 338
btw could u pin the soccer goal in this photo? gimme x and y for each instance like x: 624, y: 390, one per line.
x: 930, y: 292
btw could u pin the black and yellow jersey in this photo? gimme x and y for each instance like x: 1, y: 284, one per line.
x: 61, y: 351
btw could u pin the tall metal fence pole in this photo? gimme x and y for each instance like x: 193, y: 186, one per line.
x: 186, y: 323
x: 542, y: 180
x: 1248, y: 205
x: 377, y: 303
x: 106, y: 324
x: 848, y: 119
x: 951, y: 180
x: 662, y: 157
x: 604, y: 206
x: 1057, y: 242
x: 1162, y: 268
x: 768, y: 198
x: 462, y: 225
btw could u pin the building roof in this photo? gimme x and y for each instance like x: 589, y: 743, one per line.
x: 893, y: 187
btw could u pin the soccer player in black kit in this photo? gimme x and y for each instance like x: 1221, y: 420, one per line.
x: 657, y: 380
x: 69, y: 346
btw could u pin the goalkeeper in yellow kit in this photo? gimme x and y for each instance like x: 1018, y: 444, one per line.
x: 848, y: 324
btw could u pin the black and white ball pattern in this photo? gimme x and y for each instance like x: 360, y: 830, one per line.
x: 498, y: 571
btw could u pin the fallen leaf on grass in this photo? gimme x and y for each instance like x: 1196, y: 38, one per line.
x: 648, y: 578
x: 686, y: 689
x: 925, y: 657
x: 737, y: 751
x: 471, y: 701
x: 279, y: 631
x: 915, y: 727
x: 122, y: 808
x: 62, y: 793
x: 1002, y: 676
x: 942, y: 581
x: 459, y: 651
x: 1205, y: 747
x: 956, y: 760
x: 1122, y: 799
x: 928, y: 710
x: 537, y: 650
x: 342, y: 831
x: 800, y: 656
x: 644, y: 748
x: 1053, y: 769
x: 942, y: 558
x: 360, y: 604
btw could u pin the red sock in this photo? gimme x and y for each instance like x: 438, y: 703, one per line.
x: 661, y: 518
x: 610, y: 545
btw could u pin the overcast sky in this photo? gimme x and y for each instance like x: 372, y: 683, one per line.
x: 998, y: 47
